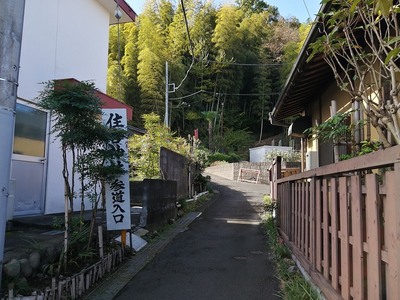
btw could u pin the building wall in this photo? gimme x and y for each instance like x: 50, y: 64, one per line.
x: 258, y: 154
x: 343, y: 102
x: 231, y: 171
x: 223, y: 170
x: 62, y: 39
x: 320, y: 111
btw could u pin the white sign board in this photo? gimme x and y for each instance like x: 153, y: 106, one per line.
x: 118, y: 210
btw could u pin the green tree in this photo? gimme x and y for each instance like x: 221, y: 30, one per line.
x: 153, y: 45
x: 99, y: 166
x: 130, y: 62
x: 116, y: 79
x: 75, y: 110
x: 237, y: 141
x: 145, y: 149
x: 291, y: 50
x: 210, y: 116
x: 228, y: 47
x: 235, y: 48
x: 252, y: 6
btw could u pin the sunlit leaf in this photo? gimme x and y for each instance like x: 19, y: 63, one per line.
x: 354, y: 5
x: 392, y: 54
x: 393, y: 40
x: 383, y: 7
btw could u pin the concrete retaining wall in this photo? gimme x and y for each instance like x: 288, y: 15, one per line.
x: 158, y: 200
x: 231, y: 171
x: 176, y: 167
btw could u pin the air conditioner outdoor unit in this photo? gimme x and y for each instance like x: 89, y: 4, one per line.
x: 312, y: 160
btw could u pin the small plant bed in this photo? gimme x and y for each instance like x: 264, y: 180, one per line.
x: 40, y: 270
x: 293, y: 285
x: 194, y: 204
x: 70, y: 285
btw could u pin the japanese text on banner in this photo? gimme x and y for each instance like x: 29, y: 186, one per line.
x: 117, y: 192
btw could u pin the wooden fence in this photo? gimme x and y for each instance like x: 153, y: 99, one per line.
x: 342, y: 222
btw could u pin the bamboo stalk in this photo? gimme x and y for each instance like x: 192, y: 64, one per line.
x: 109, y: 262
x: 81, y: 285
x: 88, y: 278
x: 73, y: 287
x: 60, y: 284
x: 53, y: 288
x: 100, y: 232
x: 11, y: 293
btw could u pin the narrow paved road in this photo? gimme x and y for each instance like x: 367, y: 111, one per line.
x: 223, y: 255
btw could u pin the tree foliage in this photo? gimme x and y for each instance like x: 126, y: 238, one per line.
x: 74, y: 108
x: 228, y: 60
x: 145, y: 149
x: 76, y: 122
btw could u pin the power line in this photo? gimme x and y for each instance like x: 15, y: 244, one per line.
x: 244, y: 64
x: 190, y: 44
x: 228, y: 94
x: 308, y: 12
x: 187, y: 96
x: 223, y: 94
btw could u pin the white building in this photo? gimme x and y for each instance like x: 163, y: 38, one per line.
x: 258, y: 154
x: 61, y: 39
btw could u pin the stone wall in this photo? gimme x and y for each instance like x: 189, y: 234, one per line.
x: 231, y: 171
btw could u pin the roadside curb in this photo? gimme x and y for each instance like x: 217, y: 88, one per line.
x: 110, y: 287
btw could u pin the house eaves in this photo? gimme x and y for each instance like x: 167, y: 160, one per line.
x: 128, y: 14
x: 305, y: 82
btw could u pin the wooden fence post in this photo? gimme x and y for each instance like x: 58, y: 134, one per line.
x: 276, y: 175
x: 392, y: 227
x: 312, y: 222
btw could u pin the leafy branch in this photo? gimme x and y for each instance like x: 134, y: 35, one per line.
x: 360, y: 43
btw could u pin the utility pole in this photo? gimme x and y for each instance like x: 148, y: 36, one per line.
x: 166, y: 121
x: 11, y: 23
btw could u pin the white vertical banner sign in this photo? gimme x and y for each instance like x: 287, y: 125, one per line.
x: 118, y: 208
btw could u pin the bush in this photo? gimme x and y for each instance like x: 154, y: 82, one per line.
x: 217, y: 156
x: 294, y: 285
x: 287, y: 156
x: 236, y: 141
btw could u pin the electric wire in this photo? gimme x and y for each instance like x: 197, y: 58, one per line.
x: 190, y: 45
x: 187, y: 96
x: 308, y: 12
x: 247, y: 64
x: 224, y: 94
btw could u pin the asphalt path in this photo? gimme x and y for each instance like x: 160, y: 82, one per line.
x: 222, y: 255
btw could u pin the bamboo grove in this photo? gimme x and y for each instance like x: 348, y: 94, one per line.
x: 227, y: 65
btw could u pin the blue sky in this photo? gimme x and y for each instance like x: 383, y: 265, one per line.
x: 287, y: 8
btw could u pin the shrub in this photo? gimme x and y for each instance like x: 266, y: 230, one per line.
x: 287, y: 156
x: 217, y: 156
